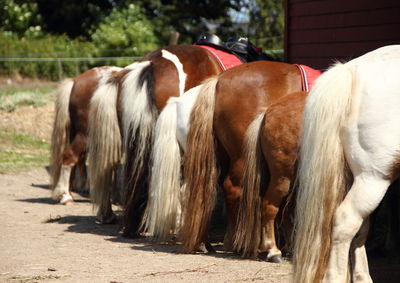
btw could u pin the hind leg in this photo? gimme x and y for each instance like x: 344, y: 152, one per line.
x: 277, y: 190
x: 232, y: 193
x: 363, y: 197
x: 61, y: 191
x: 360, y: 270
x: 79, y: 176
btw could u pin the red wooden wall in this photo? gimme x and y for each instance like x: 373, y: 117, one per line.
x: 317, y: 32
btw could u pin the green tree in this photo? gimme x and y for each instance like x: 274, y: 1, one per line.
x: 20, y: 17
x: 125, y: 32
x: 266, y: 26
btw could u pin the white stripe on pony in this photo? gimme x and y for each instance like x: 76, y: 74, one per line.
x: 181, y: 74
x: 163, y: 209
x: 351, y: 121
x: 60, y: 174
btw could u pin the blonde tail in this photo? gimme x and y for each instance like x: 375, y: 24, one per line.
x: 60, y: 137
x: 104, y: 152
x: 248, y: 232
x: 322, y: 171
x: 163, y: 207
x: 200, y: 171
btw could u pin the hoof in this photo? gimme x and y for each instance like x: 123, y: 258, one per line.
x: 66, y: 199
x: 107, y: 220
x: 275, y: 259
x: 206, y: 248
x: 130, y: 234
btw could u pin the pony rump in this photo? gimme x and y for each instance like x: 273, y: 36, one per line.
x: 59, y: 137
x: 200, y: 169
x: 322, y: 171
x: 163, y: 206
x: 248, y: 233
x: 104, y: 144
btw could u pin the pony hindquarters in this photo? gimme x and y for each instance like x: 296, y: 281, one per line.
x: 351, y: 120
x: 59, y: 173
x: 200, y: 170
x: 104, y: 149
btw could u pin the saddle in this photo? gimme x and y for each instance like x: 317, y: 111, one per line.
x: 241, y: 47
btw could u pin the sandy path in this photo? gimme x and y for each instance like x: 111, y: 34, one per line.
x: 41, y: 241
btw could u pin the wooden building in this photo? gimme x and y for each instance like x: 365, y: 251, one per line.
x: 318, y: 32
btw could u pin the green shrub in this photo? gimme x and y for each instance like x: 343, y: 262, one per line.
x: 125, y: 32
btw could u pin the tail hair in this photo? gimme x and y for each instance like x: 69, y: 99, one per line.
x: 61, y: 125
x: 104, y: 137
x: 248, y: 234
x: 163, y: 207
x: 139, y: 115
x: 200, y: 169
x: 322, y: 171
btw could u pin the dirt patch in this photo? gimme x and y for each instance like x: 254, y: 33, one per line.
x: 45, y: 242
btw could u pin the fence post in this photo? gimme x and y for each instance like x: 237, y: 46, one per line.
x: 173, y: 38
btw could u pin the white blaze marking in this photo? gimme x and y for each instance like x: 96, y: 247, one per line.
x: 181, y: 74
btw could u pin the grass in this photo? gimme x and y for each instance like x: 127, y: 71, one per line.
x: 12, y: 98
x: 20, y: 152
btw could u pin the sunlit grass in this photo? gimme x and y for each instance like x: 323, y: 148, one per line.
x: 22, y: 152
x: 10, y: 99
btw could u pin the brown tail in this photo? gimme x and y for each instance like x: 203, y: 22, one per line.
x: 59, y: 137
x: 200, y: 170
x: 248, y: 233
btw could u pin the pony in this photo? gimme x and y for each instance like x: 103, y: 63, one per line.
x: 224, y: 109
x: 349, y: 155
x: 271, y: 150
x: 69, y: 136
x: 136, y: 97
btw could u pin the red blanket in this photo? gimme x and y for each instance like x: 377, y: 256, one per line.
x: 225, y: 60
x: 308, y: 76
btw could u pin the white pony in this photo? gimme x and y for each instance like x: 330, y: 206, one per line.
x: 162, y: 215
x: 350, y: 153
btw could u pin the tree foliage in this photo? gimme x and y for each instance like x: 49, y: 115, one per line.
x: 267, y: 23
x: 125, y: 32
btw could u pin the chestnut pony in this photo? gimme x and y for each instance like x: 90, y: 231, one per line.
x: 136, y: 97
x: 349, y: 155
x: 69, y: 137
x: 224, y: 109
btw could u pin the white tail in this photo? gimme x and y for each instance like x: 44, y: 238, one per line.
x: 163, y: 206
x: 321, y: 174
x: 59, y: 137
x: 104, y: 152
x: 138, y: 117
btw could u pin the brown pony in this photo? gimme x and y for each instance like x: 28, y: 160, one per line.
x: 69, y: 137
x: 271, y: 152
x: 222, y: 113
x: 135, y: 97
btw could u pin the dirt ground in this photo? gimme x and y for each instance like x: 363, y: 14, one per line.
x: 43, y: 241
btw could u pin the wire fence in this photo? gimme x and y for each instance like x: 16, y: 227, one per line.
x: 72, y: 66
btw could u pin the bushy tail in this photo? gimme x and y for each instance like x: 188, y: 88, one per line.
x: 139, y: 116
x: 200, y: 170
x: 60, y: 135
x: 104, y: 137
x: 248, y: 231
x: 163, y: 205
x: 322, y: 171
